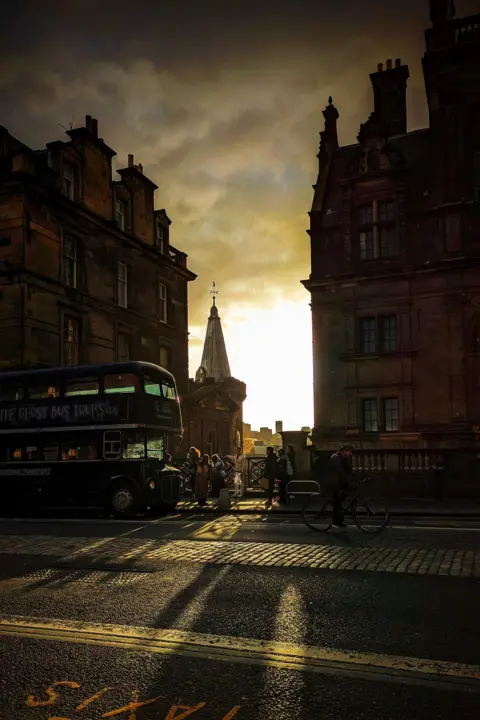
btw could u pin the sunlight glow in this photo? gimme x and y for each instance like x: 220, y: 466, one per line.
x: 271, y: 351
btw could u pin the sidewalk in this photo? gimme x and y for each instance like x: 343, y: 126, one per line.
x: 254, y: 503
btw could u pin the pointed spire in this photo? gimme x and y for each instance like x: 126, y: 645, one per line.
x: 214, y: 357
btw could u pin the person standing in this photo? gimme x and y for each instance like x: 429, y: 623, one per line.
x: 203, y: 480
x: 271, y: 469
x: 192, y: 459
x: 240, y: 473
x: 217, y: 474
x: 291, y: 457
x: 284, y: 470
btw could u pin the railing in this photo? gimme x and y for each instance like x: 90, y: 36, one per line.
x: 179, y: 258
x: 255, y: 470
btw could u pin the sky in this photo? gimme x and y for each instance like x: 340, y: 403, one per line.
x: 221, y: 102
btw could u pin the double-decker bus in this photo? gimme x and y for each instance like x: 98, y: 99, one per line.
x: 91, y: 435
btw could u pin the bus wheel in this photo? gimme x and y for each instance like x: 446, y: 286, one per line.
x: 123, y: 500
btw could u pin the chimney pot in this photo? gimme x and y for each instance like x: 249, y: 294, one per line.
x: 130, y: 161
x: 398, y: 62
x: 140, y: 167
x: 389, y: 64
x: 88, y: 122
x: 380, y: 67
x: 94, y: 127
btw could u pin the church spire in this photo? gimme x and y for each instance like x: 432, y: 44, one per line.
x: 214, y: 357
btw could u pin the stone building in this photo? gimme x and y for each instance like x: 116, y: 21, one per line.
x: 87, y: 270
x: 395, y: 261
x: 213, y: 409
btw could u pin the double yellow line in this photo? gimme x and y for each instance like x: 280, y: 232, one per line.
x: 235, y: 649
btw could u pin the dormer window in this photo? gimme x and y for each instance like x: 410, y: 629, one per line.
x: 120, y: 213
x: 68, y: 181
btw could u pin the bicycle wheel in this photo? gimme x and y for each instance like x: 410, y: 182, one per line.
x: 317, y: 513
x: 370, y: 515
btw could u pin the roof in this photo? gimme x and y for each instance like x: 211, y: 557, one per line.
x: 214, y: 357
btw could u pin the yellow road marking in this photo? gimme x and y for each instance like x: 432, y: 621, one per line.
x: 230, y: 649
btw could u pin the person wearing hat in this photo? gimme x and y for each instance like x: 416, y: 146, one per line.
x: 340, y: 477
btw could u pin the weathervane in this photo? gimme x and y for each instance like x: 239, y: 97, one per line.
x: 213, y: 292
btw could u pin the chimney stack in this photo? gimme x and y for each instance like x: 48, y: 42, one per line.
x: 88, y: 122
x: 95, y: 127
x: 390, y: 97
x: 130, y: 161
x: 140, y: 167
x: 380, y: 67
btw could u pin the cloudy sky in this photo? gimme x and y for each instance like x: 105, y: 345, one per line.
x: 221, y: 101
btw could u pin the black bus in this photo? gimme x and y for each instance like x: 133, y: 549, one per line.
x: 91, y: 435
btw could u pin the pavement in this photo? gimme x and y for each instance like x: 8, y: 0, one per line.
x: 252, y: 617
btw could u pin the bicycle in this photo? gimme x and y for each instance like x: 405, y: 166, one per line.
x: 317, y: 512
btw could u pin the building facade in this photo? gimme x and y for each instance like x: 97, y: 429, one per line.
x: 213, y: 408
x: 87, y: 270
x: 395, y: 258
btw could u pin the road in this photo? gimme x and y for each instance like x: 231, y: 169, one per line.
x: 238, y: 617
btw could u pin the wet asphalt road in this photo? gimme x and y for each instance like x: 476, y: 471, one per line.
x: 373, y: 614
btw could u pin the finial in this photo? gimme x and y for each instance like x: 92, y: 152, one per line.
x: 330, y: 100
x: 213, y: 292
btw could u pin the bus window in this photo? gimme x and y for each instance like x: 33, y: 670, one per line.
x: 151, y: 387
x: 112, y: 444
x: 50, y: 453
x: 32, y: 453
x: 115, y: 384
x: 133, y: 447
x: 82, y: 386
x: 40, y: 392
x: 76, y: 451
x: 17, y: 454
x: 155, y: 447
x: 12, y: 393
x: 168, y: 391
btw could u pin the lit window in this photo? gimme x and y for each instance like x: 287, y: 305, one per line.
x: 42, y: 391
x: 162, y: 297
x: 122, y: 284
x: 82, y: 386
x: 120, y: 384
x: 368, y: 335
x: 120, y: 213
x: 388, y: 333
x: 391, y: 411
x: 70, y: 262
x: 68, y: 181
x: 168, y: 391
x: 370, y: 415
x: 151, y: 387
x: 71, y: 340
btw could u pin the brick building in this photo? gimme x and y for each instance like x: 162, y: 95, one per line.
x: 87, y: 270
x: 213, y: 408
x: 395, y: 258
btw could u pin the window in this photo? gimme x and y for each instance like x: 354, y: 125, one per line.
x: 133, y: 447
x: 122, y: 284
x: 120, y: 213
x: 155, y: 447
x: 164, y: 357
x: 71, y: 340
x: 368, y: 335
x: 391, y: 413
x: 367, y: 246
x: 68, y: 181
x: 70, y: 262
x: 168, y: 391
x: 50, y: 453
x: 40, y: 392
x: 162, y: 297
x: 160, y: 238
x: 123, y: 347
x: 11, y: 393
x: 453, y: 232
x: 378, y: 230
x: 79, y: 451
x: 120, y: 384
x: 388, y: 333
x: 112, y: 445
x: 82, y: 386
x: 370, y: 415
x: 32, y: 453
x: 151, y: 387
